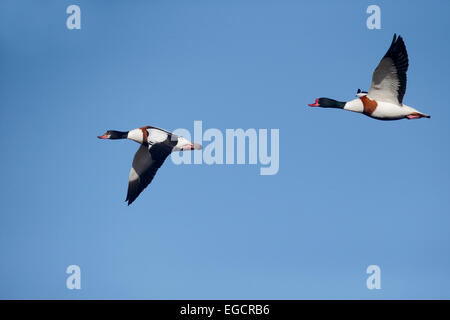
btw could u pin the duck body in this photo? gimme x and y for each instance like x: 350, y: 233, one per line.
x: 382, y: 110
x: 149, y: 135
x: 156, y: 145
x: 384, y: 100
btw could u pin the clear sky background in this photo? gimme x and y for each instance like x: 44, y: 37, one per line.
x: 351, y: 191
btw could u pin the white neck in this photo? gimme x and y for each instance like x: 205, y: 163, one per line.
x: 354, y: 105
x: 136, y: 135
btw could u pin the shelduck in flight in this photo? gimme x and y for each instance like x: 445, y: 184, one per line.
x: 384, y: 101
x: 156, y: 145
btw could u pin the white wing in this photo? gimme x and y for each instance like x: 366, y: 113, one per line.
x: 389, y: 78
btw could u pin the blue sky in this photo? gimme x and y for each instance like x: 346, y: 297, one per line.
x: 351, y: 191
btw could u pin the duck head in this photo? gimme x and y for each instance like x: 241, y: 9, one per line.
x: 327, y: 103
x: 114, y: 135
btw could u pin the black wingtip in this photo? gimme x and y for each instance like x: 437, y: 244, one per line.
x: 128, y: 201
x: 397, y: 39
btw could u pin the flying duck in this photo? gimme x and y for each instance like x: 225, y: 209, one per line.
x: 384, y: 101
x: 156, y: 145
